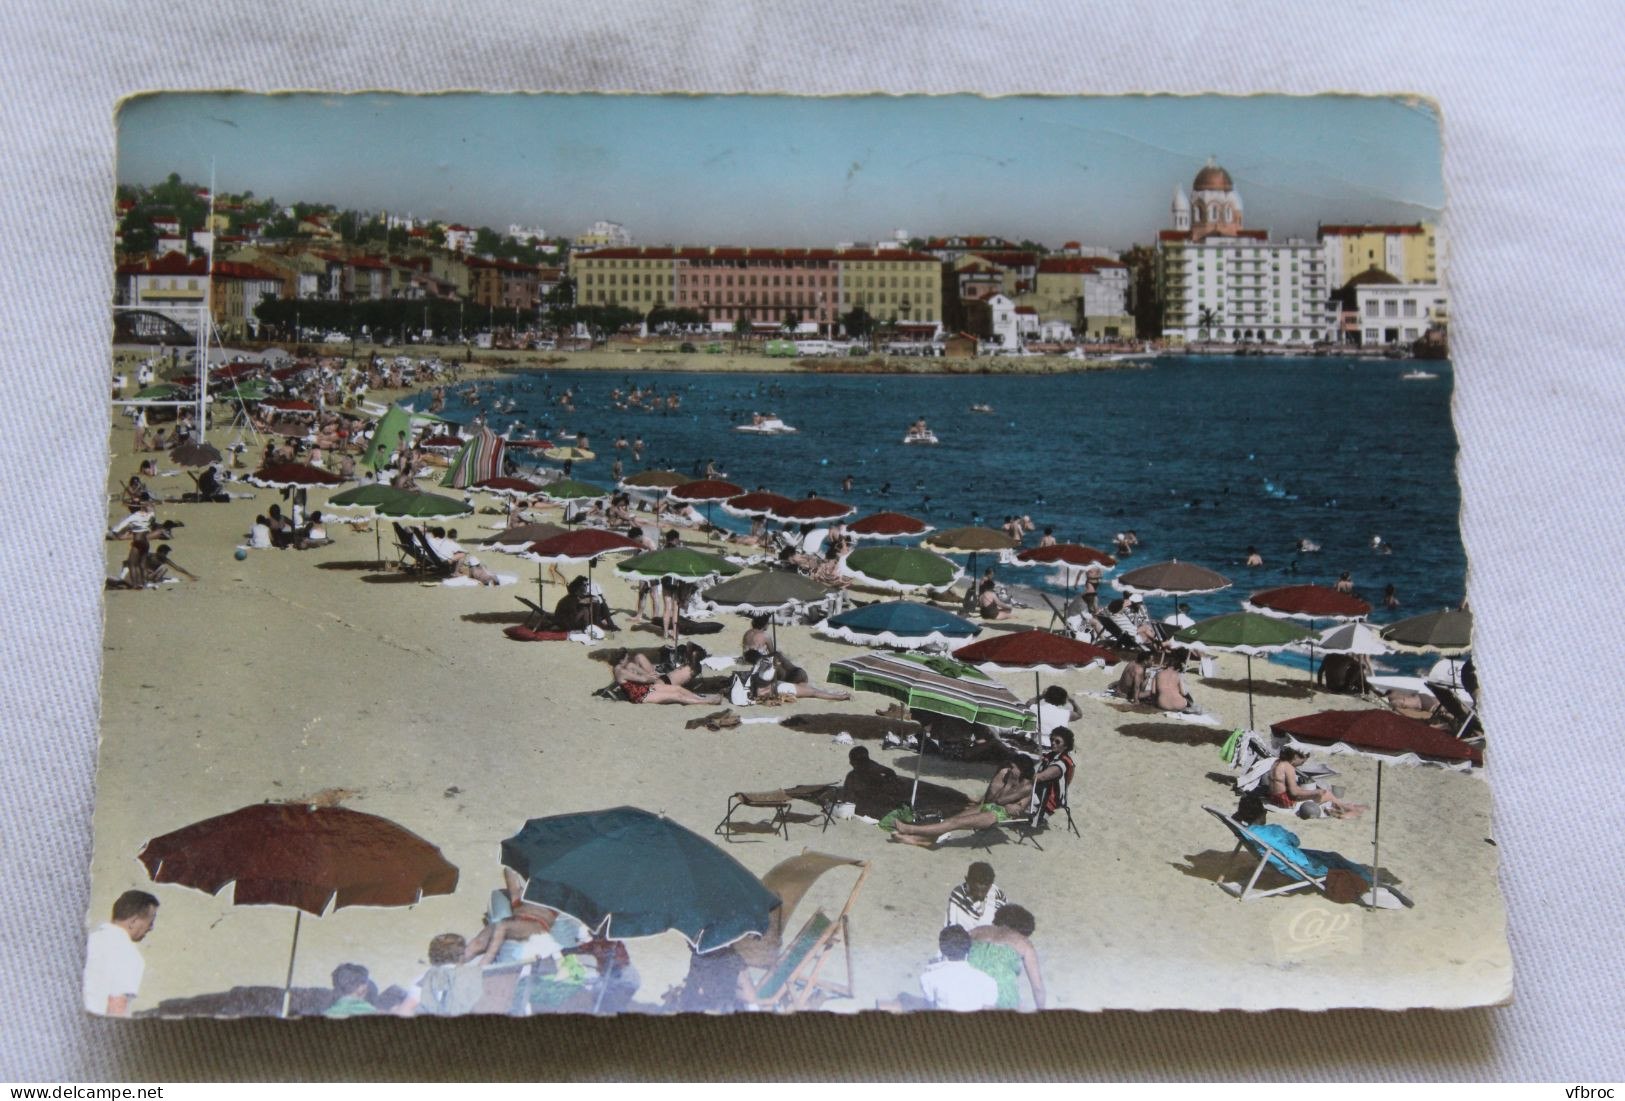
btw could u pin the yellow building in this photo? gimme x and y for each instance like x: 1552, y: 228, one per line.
x: 637, y: 278
x: 1410, y: 253
x: 891, y: 282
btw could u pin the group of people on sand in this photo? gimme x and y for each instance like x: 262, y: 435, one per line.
x: 984, y: 951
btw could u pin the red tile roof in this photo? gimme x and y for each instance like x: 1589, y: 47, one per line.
x: 1026, y: 309
x: 1010, y: 259
x: 1351, y: 230
x: 173, y: 263
x: 732, y: 252
x: 1174, y: 235
x: 230, y: 269
x: 1075, y: 265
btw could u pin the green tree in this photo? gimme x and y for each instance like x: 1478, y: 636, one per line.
x: 137, y: 231
x: 741, y: 330
x: 792, y: 321
x: 1209, y: 320
x: 857, y: 323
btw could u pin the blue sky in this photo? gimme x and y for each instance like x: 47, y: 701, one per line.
x: 762, y: 170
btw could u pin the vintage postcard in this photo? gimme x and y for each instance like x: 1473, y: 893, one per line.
x: 658, y: 554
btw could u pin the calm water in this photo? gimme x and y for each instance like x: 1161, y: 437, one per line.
x: 1201, y: 457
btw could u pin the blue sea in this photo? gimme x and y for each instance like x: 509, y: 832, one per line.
x: 1202, y: 457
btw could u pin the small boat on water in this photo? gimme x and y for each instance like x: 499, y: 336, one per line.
x: 766, y: 426
x: 1417, y: 372
x: 981, y: 407
x: 927, y: 437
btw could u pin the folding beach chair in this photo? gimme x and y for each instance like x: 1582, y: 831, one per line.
x: 824, y: 796
x: 538, y: 618
x: 794, y: 977
x: 1028, y: 827
x: 1463, y: 716
x: 1267, y: 855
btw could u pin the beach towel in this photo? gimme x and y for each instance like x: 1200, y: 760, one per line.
x: 1195, y: 717
x: 467, y: 582
x: 525, y: 634
x: 720, y: 661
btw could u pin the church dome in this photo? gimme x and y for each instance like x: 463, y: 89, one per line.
x: 1213, y: 178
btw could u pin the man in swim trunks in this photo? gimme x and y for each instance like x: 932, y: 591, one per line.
x: 1007, y: 796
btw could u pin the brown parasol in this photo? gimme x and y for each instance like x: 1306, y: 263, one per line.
x: 312, y: 858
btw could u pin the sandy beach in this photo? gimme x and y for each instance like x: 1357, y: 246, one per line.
x: 293, y: 672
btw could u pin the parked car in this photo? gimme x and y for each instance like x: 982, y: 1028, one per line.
x: 686, y: 346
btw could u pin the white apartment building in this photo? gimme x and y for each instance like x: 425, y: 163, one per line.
x: 1223, y: 283
x: 526, y: 233
x: 1399, y: 313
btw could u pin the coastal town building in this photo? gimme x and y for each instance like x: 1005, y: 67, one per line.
x: 503, y: 284
x: 237, y: 290
x: 1220, y: 282
x: 173, y: 285
x: 523, y: 234
x: 458, y: 238
x: 1399, y: 314
x: 763, y: 285
x: 1089, y: 293
x: 950, y: 249
x: 601, y: 235
x: 1409, y: 253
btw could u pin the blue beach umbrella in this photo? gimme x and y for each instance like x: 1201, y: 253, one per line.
x: 900, y: 625
x: 625, y: 872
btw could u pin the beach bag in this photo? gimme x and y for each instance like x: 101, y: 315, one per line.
x: 1345, y: 886
x: 451, y: 990
x: 1228, y: 750
x: 738, y: 694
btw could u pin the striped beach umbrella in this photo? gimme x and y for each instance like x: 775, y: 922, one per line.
x: 937, y: 685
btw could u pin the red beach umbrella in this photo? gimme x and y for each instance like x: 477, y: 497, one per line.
x: 1387, y: 737
x: 531, y: 445
x: 289, y: 405
x: 1034, y: 650
x: 582, y: 545
x: 232, y: 371
x: 441, y: 441
x: 293, y: 476
x: 1309, y: 602
x: 758, y: 503
x: 810, y: 510
x: 1065, y: 554
x: 311, y: 858
x: 887, y: 525
x: 707, y: 490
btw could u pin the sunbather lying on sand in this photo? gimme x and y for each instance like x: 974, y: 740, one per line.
x: 638, y: 679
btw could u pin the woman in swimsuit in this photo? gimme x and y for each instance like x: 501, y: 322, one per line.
x: 1285, y: 791
x: 638, y: 678
x: 1004, y: 951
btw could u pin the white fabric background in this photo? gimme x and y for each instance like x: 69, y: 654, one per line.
x: 1535, y: 169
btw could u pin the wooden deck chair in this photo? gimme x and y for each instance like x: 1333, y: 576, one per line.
x: 1300, y: 876
x: 794, y: 977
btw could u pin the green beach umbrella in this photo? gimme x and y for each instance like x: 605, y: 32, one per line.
x: 368, y: 496
x: 768, y: 591
x: 162, y: 392
x: 568, y: 489
x: 1445, y: 632
x: 422, y: 506
x: 900, y: 569
x: 676, y: 563
x: 656, y: 479
x: 394, y: 429
x: 252, y: 390
x: 1246, y: 633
